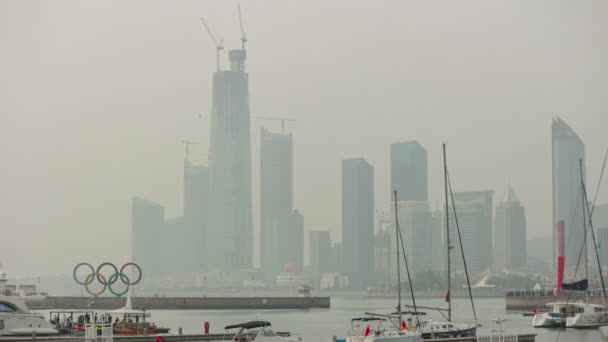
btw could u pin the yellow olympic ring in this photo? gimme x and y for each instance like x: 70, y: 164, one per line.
x: 88, y: 279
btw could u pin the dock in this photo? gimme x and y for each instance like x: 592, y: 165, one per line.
x: 225, y: 337
x: 184, y: 303
x: 530, y: 300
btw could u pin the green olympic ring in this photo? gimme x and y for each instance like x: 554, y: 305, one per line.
x: 113, y: 279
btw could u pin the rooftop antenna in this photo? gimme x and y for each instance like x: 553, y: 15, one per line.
x: 218, y: 47
x: 187, y: 144
x: 243, y: 34
x: 277, y: 119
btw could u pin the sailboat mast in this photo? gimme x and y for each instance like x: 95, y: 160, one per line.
x: 398, y: 264
x: 447, y: 234
x: 580, y: 165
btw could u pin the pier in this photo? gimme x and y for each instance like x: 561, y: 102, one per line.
x: 530, y: 300
x: 183, y: 303
x: 226, y: 337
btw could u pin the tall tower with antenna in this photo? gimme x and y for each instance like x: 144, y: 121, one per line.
x: 230, y: 226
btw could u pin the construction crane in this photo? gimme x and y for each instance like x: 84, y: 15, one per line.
x: 277, y: 119
x: 218, y: 47
x: 243, y: 34
x: 187, y: 144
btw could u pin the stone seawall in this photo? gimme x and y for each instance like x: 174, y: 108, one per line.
x: 183, y: 303
x: 531, y: 302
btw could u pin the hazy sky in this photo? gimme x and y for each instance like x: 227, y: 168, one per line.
x: 95, y: 97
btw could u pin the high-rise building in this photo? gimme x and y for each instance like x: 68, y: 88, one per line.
x: 567, y: 149
x: 196, y: 215
x: 438, y: 246
x: 176, y: 256
x: 230, y: 226
x: 382, y: 255
x: 295, y: 239
x: 276, y: 192
x: 320, y: 254
x: 336, y: 257
x: 600, y: 224
x: 358, y: 221
x: 416, y: 223
x: 474, y: 213
x: 510, y: 233
x: 409, y: 171
x: 147, y: 227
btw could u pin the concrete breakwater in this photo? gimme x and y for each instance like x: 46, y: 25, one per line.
x: 183, y: 303
x: 530, y: 300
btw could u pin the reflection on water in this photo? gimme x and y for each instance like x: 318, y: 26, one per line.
x: 320, y: 325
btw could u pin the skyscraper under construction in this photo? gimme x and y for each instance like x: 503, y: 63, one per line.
x: 230, y: 228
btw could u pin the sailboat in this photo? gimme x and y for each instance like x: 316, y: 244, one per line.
x: 447, y: 329
x: 587, y: 315
x: 388, y: 328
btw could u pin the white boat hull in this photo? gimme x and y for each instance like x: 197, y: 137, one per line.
x: 547, y: 320
x: 25, y: 324
x: 388, y: 336
x: 585, y: 320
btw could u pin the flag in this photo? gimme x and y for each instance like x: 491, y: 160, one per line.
x: 447, y: 296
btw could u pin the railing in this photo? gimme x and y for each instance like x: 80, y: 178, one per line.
x: 545, y: 293
x: 92, y: 330
x: 504, y: 337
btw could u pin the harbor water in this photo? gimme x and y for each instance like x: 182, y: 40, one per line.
x: 319, y: 325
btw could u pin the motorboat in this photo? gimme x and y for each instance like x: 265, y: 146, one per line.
x: 259, y: 331
x: 16, y: 318
x: 379, y: 329
x: 587, y: 316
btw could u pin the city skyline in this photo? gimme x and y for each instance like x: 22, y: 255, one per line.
x: 105, y: 122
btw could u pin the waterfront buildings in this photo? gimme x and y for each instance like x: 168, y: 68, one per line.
x: 382, y: 255
x: 600, y: 223
x: 320, y: 254
x: 474, y: 210
x: 510, y: 233
x: 409, y: 171
x: 276, y: 205
x: 147, y: 226
x: 196, y: 213
x: 438, y: 258
x: 416, y: 223
x: 567, y: 150
x: 357, y: 221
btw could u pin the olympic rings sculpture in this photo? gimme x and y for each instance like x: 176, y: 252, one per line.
x: 106, y: 283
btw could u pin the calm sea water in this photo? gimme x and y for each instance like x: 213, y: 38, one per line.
x: 319, y: 325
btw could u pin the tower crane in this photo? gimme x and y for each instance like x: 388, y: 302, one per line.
x: 243, y: 34
x: 218, y: 47
x: 277, y: 119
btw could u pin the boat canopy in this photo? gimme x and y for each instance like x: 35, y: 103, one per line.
x: 249, y: 325
x: 581, y: 285
x: 367, y: 319
x: 420, y: 313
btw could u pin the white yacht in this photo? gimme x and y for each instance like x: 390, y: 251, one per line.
x: 16, y: 318
x: 587, y: 316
